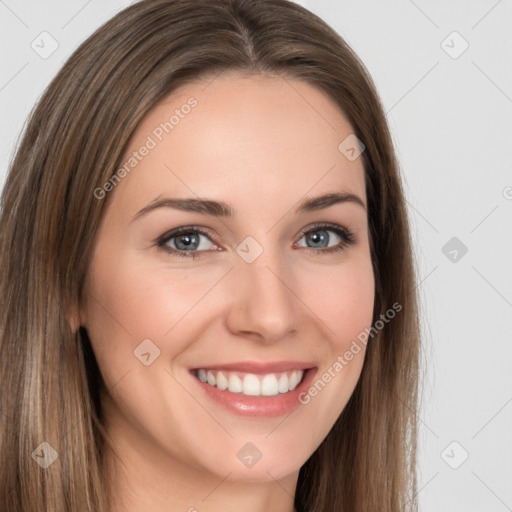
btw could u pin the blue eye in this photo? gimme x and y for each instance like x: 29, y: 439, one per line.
x: 186, y: 241
x: 319, y: 234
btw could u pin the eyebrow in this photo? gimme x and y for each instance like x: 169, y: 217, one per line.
x: 222, y: 209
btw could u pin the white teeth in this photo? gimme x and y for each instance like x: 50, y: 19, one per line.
x: 282, y: 387
x: 294, y: 380
x: 250, y: 384
x: 235, y: 384
x: 269, y: 385
x: 222, y: 382
x: 210, y: 378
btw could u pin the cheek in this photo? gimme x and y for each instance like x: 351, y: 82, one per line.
x: 129, y: 302
x: 343, y: 298
x: 344, y: 301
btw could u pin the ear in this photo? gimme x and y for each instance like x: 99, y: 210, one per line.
x: 76, y: 318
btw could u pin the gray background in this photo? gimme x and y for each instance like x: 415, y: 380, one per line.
x: 450, y: 112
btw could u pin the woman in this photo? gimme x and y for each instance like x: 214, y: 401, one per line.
x: 173, y: 338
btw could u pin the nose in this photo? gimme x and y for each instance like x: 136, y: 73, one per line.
x: 264, y: 302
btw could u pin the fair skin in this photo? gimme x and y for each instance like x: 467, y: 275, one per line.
x: 262, y: 146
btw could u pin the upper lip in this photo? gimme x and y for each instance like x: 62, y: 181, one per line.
x: 259, y: 367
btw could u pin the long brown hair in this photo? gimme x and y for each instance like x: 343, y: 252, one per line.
x: 74, y: 142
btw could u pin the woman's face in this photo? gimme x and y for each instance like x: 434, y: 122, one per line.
x: 252, y: 302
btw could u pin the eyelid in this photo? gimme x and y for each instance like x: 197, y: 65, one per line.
x: 346, y: 235
x: 162, y: 239
x: 328, y: 226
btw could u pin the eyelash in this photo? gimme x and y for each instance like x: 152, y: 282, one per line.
x: 347, y: 239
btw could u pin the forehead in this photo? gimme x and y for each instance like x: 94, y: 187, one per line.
x: 253, y: 138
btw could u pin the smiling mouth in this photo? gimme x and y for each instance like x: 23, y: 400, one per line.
x: 251, y: 384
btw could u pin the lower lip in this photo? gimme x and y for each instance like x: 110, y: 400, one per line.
x: 259, y: 406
